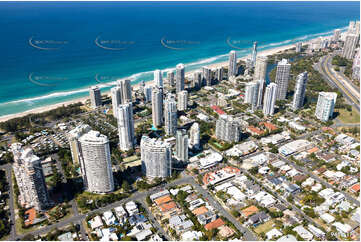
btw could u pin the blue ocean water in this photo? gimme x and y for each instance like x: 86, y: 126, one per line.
x: 52, y: 52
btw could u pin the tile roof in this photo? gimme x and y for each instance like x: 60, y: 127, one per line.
x: 200, y: 210
x: 215, y: 224
x: 249, y: 211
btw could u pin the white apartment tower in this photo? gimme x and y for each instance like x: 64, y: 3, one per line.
x: 194, y: 136
x: 260, y: 68
x: 95, y: 96
x: 298, y: 47
x: 121, y: 94
x: 182, y: 145
x: 197, y: 79
x: 182, y: 100
x: 300, y: 91
x: 207, y: 76
x: 179, y: 77
x: 73, y: 138
x: 171, y: 79
x: 232, y: 66
x: 30, y: 179
x: 116, y: 99
x: 270, y: 99
x: 227, y: 129
x: 148, y: 93
x: 282, y: 78
x: 336, y: 35
x: 125, y: 127
x: 158, y: 80
x: 261, y: 90
x: 251, y: 93
x: 254, y: 53
x: 95, y: 162
x: 170, y: 115
x: 349, y: 47
x: 157, y: 106
x: 156, y: 157
x: 325, y: 105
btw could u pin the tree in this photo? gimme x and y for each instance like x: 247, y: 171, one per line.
x: 125, y: 186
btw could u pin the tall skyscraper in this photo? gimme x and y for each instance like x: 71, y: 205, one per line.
x: 116, y: 99
x: 30, y: 178
x: 270, y: 99
x: 73, y: 138
x: 182, y: 100
x: 148, y: 93
x: 227, y: 129
x: 158, y: 79
x: 260, y: 69
x: 156, y: 157
x: 197, y: 79
x: 170, y: 115
x: 232, y: 66
x: 254, y: 53
x: 195, y: 138
x: 207, y: 76
x: 300, y: 91
x: 95, y: 162
x: 157, y: 106
x: 125, y: 90
x: 325, y: 105
x: 336, y: 35
x: 180, y: 77
x: 126, y: 127
x: 298, y: 47
x: 95, y: 97
x: 251, y: 93
x: 261, y: 90
x: 356, y: 66
x: 349, y: 47
x: 282, y: 78
x: 182, y: 145
x: 171, y: 79
x: 351, y: 27
x: 219, y: 74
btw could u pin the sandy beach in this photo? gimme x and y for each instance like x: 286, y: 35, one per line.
x: 136, y: 86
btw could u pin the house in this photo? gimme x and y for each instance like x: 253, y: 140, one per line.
x: 343, y: 229
x: 344, y: 206
x: 108, y: 234
x: 196, y: 203
x: 214, y: 224
x: 288, y: 237
x: 316, y: 188
x: 273, y: 233
x: 191, y: 235
x: 142, y: 235
x: 131, y: 208
x: 225, y: 231
x: 303, y: 233
x: 316, y: 231
x: 328, y: 218
x: 308, y: 182
x: 180, y: 223
x: 290, y: 188
x: 258, y: 218
x: 120, y: 212
x: 66, y: 237
x: 207, y: 217
x: 162, y: 200
x: 254, y: 130
x: 249, y: 211
x: 236, y: 193
x: 109, y: 218
x: 136, y: 219
x: 96, y: 222
x: 200, y: 210
x: 355, y: 188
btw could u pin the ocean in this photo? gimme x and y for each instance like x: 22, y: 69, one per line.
x: 53, y: 51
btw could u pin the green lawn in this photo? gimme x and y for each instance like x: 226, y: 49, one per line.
x: 348, y: 117
x: 267, y: 226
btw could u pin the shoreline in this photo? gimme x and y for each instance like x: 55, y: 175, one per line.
x: 266, y: 52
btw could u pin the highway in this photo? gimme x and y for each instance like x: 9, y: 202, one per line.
x: 350, y: 93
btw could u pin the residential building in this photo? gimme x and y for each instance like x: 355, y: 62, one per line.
x: 126, y: 127
x: 30, y: 178
x: 182, y: 145
x: 356, y: 66
x: 325, y: 105
x: 219, y: 74
x: 158, y: 79
x: 182, y: 100
x: 171, y: 79
x: 73, y: 138
x: 206, y: 76
x: 349, y: 47
x: 125, y: 90
x: 95, y: 96
x: 270, y: 99
x: 254, y: 53
x: 95, y: 162
x: 156, y: 157
x: 157, y: 106
x: 298, y: 47
x: 227, y: 129
x: 300, y: 91
x: 282, y: 78
x: 232, y: 65
x: 194, y: 139
x: 170, y: 115
x: 180, y: 77
x: 148, y: 94
x: 251, y: 93
x: 197, y: 79
x: 336, y: 35
x: 260, y: 69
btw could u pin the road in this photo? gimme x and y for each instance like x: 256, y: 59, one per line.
x: 8, y: 170
x: 352, y: 95
x: 328, y: 185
